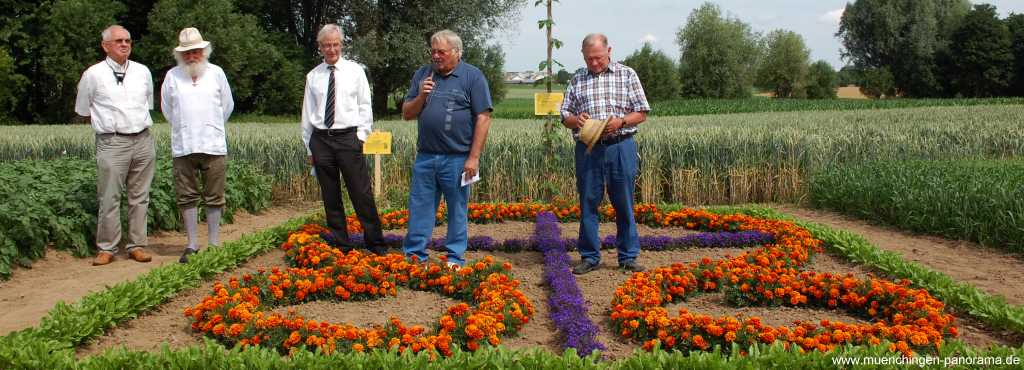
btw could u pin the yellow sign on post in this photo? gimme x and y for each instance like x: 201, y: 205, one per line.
x: 547, y: 104
x: 378, y: 142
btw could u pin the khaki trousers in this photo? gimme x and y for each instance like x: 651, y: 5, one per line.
x: 187, y: 171
x: 124, y: 164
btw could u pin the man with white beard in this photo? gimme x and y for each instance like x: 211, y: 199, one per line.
x: 196, y: 100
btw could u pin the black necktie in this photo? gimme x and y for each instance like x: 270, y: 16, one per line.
x: 329, y: 113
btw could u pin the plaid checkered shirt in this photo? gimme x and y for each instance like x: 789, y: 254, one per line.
x: 612, y: 93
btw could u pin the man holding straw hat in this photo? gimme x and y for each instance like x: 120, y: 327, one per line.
x: 603, y: 105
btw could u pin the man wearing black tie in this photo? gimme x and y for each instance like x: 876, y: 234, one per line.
x: 336, y: 119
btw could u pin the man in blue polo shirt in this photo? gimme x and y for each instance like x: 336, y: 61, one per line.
x: 452, y: 104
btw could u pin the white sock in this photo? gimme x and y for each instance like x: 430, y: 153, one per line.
x: 191, y: 219
x: 213, y: 225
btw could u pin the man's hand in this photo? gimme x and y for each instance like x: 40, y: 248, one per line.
x: 471, y: 167
x: 427, y: 85
x: 581, y: 119
x: 614, y: 125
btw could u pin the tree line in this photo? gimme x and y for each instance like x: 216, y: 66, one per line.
x: 893, y: 48
x: 265, y: 46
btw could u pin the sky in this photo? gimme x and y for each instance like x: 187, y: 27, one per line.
x: 629, y: 23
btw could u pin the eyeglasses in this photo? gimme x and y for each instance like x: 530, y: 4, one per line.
x: 330, y: 46
x: 120, y: 41
x: 441, y: 52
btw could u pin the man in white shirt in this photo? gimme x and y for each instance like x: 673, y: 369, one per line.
x: 117, y: 94
x: 336, y: 119
x: 196, y: 99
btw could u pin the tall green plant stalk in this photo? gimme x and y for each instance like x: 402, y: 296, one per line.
x: 550, y: 135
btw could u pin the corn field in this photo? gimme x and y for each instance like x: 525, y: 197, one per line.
x: 694, y: 160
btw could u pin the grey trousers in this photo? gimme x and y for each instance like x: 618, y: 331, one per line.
x: 124, y: 163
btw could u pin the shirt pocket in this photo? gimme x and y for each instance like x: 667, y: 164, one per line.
x: 457, y: 100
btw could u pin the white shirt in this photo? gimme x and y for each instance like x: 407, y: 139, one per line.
x: 351, y: 100
x: 114, y: 107
x: 197, y: 110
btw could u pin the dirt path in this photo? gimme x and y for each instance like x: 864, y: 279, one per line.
x: 991, y: 270
x: 31, y: 293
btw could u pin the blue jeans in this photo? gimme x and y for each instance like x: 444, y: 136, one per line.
x: 613, y: 167
x: 432, y: 176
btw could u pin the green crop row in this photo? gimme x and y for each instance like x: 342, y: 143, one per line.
x: 521, y: 107
x: 54, y: 203
x: 724, y: 159
x: 981, y: 201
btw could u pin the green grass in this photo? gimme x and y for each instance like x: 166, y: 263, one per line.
x: 982, y: 201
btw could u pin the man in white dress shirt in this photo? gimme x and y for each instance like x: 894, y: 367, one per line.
x: 117, y: 94
x: 336, y: 119
x: 196, y: 100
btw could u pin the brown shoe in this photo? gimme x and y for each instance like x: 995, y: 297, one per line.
x: 139, y: 255
x: 103, y: 258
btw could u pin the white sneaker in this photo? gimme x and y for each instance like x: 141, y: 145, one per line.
x: 453, y: 266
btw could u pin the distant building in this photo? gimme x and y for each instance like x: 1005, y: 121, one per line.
x: 526, y: 77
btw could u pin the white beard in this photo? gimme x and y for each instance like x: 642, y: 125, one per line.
x: 195, y: 69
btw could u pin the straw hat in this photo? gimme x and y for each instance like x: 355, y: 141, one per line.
x: 591, y: 131
x: 189, y: 39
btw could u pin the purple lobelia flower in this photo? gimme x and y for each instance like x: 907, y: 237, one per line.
x: 568, y: 310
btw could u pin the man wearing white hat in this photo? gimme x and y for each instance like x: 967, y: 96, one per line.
x: 603, y: 105
x: 117, y: 94
x: 196, y: 99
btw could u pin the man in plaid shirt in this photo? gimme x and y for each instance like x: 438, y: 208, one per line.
x: 601, y: 91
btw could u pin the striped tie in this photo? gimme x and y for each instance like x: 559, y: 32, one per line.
x: 329, y: 113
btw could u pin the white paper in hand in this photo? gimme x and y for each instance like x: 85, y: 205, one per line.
x: 470, y: 181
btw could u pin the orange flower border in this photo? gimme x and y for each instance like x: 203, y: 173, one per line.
x: 236, y: 313
x: 910, y: 319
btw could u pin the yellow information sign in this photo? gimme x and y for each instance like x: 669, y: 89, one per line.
x: 547, y: 104
x: 378, y: 142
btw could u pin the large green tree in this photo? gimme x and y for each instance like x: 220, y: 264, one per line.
x: 783, y: 69
x: 389, y: 37
x: 657, y: 73
x: 718, y: 55
x: 262, y: 78
x: 982, y: 46
x: 66, y: 54
x: 904, y: 36
x: 1015, y: 24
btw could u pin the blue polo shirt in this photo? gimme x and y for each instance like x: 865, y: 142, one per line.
x: 448, y: 118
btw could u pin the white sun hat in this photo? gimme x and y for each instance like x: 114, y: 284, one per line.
x: 190, y: 39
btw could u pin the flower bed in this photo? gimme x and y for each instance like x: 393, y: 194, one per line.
x: 236, y: 313
x: 911, y: 319
x: 565, y: 300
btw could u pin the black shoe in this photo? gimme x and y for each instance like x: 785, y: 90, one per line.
x: 335, y: 242
x: 631, y: 266
x: 184, y: 256
x: 379, y: 250
x: 584, y: 267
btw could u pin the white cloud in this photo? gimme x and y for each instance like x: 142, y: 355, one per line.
x: 832, y: 17
x: 648, y: 38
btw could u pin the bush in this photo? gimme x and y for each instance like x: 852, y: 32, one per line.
x: 822, y: 81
